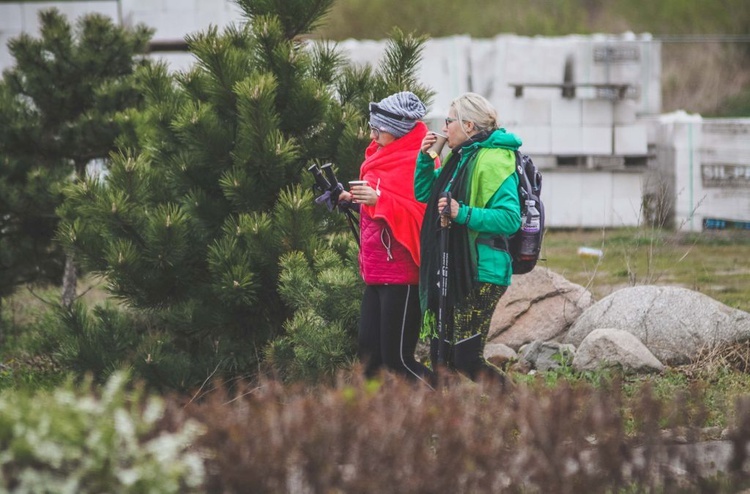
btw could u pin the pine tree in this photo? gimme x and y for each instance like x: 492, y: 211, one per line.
x: 58, y: 108
x: 210, y: 191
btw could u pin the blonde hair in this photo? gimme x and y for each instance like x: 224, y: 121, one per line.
x: 473, y: 107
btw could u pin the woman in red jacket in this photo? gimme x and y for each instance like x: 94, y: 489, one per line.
x: 390, y: 222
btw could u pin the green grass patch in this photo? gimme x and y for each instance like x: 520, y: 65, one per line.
x: 713, y: 263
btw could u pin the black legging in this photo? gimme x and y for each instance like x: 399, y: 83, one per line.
x: 389, y: 326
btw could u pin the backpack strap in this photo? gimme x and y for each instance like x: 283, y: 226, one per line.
x: 499, y: 242
x: 525, y: 185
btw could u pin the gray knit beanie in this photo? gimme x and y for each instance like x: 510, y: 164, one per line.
x: 397, y: 114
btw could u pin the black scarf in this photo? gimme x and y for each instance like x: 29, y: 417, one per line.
x: 461, y: 269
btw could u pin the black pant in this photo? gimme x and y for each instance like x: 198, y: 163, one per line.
x: 389, y: 325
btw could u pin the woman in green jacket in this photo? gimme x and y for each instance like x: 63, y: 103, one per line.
x: 479, y: 172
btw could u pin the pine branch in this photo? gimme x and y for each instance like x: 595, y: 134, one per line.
x: 296, y: 16
x: 398, y: 68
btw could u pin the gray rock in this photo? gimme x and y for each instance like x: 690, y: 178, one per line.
x: 499, y: 354
x: 608, y: 347
x: 547, y: 355
x: 674, y: 323
x: 540, y: 305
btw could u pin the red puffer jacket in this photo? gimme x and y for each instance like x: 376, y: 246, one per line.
x: 382, y: 260
x: 390, y: 229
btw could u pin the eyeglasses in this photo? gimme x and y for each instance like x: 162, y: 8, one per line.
x: 449, y: 120
x: 374, y: 130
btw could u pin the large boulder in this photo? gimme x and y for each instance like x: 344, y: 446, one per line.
x: 538, y: 306
x: 674, y: 323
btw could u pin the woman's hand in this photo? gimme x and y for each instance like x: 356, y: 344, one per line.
x: 364, y: 194
x: 454, y: 206
x: 345, y: 196
x: 429, y: 140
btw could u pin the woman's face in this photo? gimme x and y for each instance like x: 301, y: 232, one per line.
x: 382, y: 137
x: 455, y: 129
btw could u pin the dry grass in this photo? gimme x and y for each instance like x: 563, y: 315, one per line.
x: 26, y: 305
x: 699, y: 78
x: 717, y: 360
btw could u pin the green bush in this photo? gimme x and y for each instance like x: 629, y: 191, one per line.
x: 72, y: 441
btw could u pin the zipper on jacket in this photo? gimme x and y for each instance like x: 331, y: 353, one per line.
x: 385, y: 239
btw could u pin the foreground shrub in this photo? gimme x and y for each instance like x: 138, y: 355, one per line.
x: 69, y: 441
x: 366, y: 437
x: 395, y: 437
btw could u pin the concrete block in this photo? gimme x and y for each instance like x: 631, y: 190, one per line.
x: 71, y: 10
x: 507, y: 111
x: 11, y: 18
x: 444, y: 64
x: 567, y: 140
x: 631, y: 140
x: 177, y: 61
x: 30, y: 17
x: 182, y: 5
x: 592, y: 198
x: 144, y: 5
x: 543, y: 161
x: 226, y: 13
x: 536, y: 138
x: 596, y: 112
x: 624, y: 112
x: 565, y: 112
x: 131, y: 6
x: 728, y: 137
x: 80, y: 9
x: 6, y: 59
x: 597, y: 140
x: 532, y: 111
x: 170, y: 25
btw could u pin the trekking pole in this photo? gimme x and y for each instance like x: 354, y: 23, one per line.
x: 445, y: 224
x: 353, y: 222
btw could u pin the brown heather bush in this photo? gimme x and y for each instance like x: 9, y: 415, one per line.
x: 390, y: 436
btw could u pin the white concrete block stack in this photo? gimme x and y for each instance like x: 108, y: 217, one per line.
x: 706, y: 165
x: 725, y: 171
x: 592, y: 129
x: 171, y: 19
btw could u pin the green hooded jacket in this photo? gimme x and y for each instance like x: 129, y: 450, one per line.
x: 491, y: 208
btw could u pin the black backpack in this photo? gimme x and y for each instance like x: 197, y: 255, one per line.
x: 529, y: 187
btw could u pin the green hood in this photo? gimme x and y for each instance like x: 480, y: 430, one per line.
x: 499, y: 138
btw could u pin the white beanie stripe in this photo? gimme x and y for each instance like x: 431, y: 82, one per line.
x: 397, y: 114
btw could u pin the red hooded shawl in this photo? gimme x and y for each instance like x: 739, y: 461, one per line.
x: 390, y: 169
